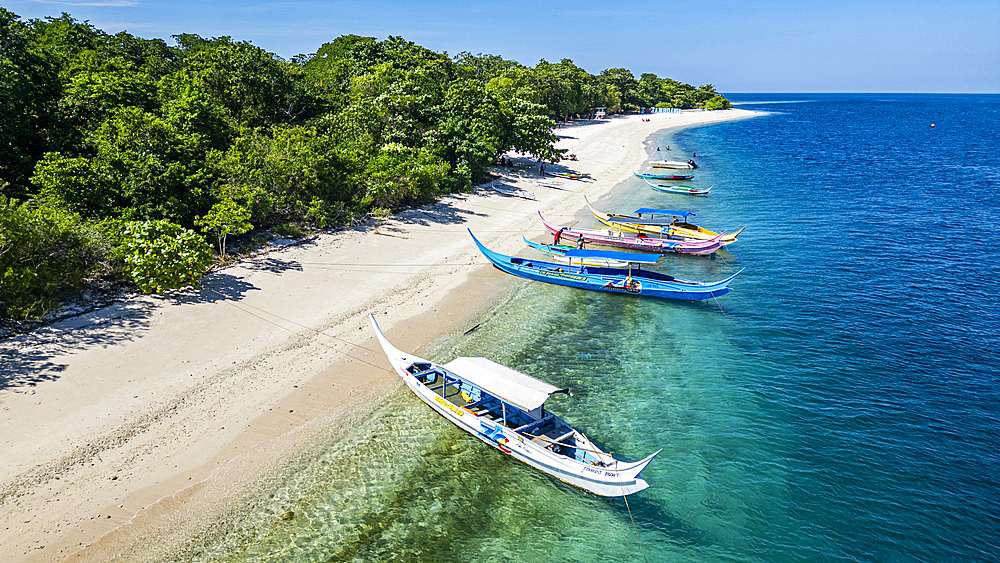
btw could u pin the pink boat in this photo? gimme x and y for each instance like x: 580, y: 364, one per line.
x: 645, y: 243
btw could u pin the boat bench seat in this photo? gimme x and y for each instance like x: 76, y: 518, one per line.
x: 564, y: 436
x: 427, y: 375
x: 481, y: 404
x: 534, y: 424
x: 543, y: 439
x: 483, y: 407
x: 552, y: 434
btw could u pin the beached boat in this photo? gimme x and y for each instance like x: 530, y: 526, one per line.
x: 631, y: 281
x: 567, y: 175
x: 660, y: 221
x: 674, y: 164
x: 547, y: 183
x: 506, y: 409
x: 672, y: 189
x: 668, y: 177
x: 560, y: 250
x: 633, y: 241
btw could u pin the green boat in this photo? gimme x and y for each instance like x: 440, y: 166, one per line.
x: 664, y: 176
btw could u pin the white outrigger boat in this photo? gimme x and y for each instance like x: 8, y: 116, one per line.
x: 506, y: 409
x: 674, y: 164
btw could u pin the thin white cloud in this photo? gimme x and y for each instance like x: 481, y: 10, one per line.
x: 108, y: 3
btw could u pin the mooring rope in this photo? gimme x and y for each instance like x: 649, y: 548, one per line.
x: 625, y: 496
x: 720, y: 305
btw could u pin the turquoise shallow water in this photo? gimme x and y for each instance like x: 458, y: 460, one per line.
x: 843, y: 407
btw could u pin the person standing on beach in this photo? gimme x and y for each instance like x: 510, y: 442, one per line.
x: 541, y: 169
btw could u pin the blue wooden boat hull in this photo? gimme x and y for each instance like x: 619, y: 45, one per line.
x: 613, y: 280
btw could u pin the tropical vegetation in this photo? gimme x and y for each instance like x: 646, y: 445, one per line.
x: 120, y: 155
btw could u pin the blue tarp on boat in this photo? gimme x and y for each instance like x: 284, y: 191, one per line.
x: 634, y: 257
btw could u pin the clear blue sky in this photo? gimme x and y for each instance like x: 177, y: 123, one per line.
x: 760, y: 46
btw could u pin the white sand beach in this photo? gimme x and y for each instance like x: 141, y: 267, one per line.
x: 124, y: 429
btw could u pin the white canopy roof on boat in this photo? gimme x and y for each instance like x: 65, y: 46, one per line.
x: 510, y: 385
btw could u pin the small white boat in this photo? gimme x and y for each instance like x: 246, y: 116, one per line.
x: 506, y: 409
x: 547, y: 183
x: 674, y: 164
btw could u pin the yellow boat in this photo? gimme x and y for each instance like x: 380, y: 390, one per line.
x: 671, y: 223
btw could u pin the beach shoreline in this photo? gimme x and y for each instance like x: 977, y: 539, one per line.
x: 142, y: 421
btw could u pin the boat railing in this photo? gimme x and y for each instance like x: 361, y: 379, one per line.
x: 437, y: 388
x: 426, y: 376
x: 587, y: 456
x: 430, y: 376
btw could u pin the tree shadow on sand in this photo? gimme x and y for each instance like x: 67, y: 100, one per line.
x: 30, y: 359
x: 439, y: 214
x: 272, y: 265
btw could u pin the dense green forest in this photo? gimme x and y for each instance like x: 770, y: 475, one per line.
x: 123, y: 158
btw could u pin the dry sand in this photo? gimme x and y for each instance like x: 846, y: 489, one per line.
x: 127, y: 429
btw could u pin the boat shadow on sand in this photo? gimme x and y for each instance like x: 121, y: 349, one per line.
x: 32, y: 358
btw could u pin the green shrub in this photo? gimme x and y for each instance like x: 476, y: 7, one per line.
x: 45, y: 251
x: 225, y: 218
x: 288, y: 230
x: 160, y: 255
x: 718, y: 102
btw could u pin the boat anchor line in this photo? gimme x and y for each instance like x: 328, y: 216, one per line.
x: 634, y: 528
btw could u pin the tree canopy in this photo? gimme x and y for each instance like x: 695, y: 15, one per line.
x: 104, y: 135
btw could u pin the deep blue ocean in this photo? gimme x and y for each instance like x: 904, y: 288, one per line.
x: 841, y: 404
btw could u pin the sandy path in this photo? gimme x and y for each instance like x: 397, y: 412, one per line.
x: 152, y: 414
